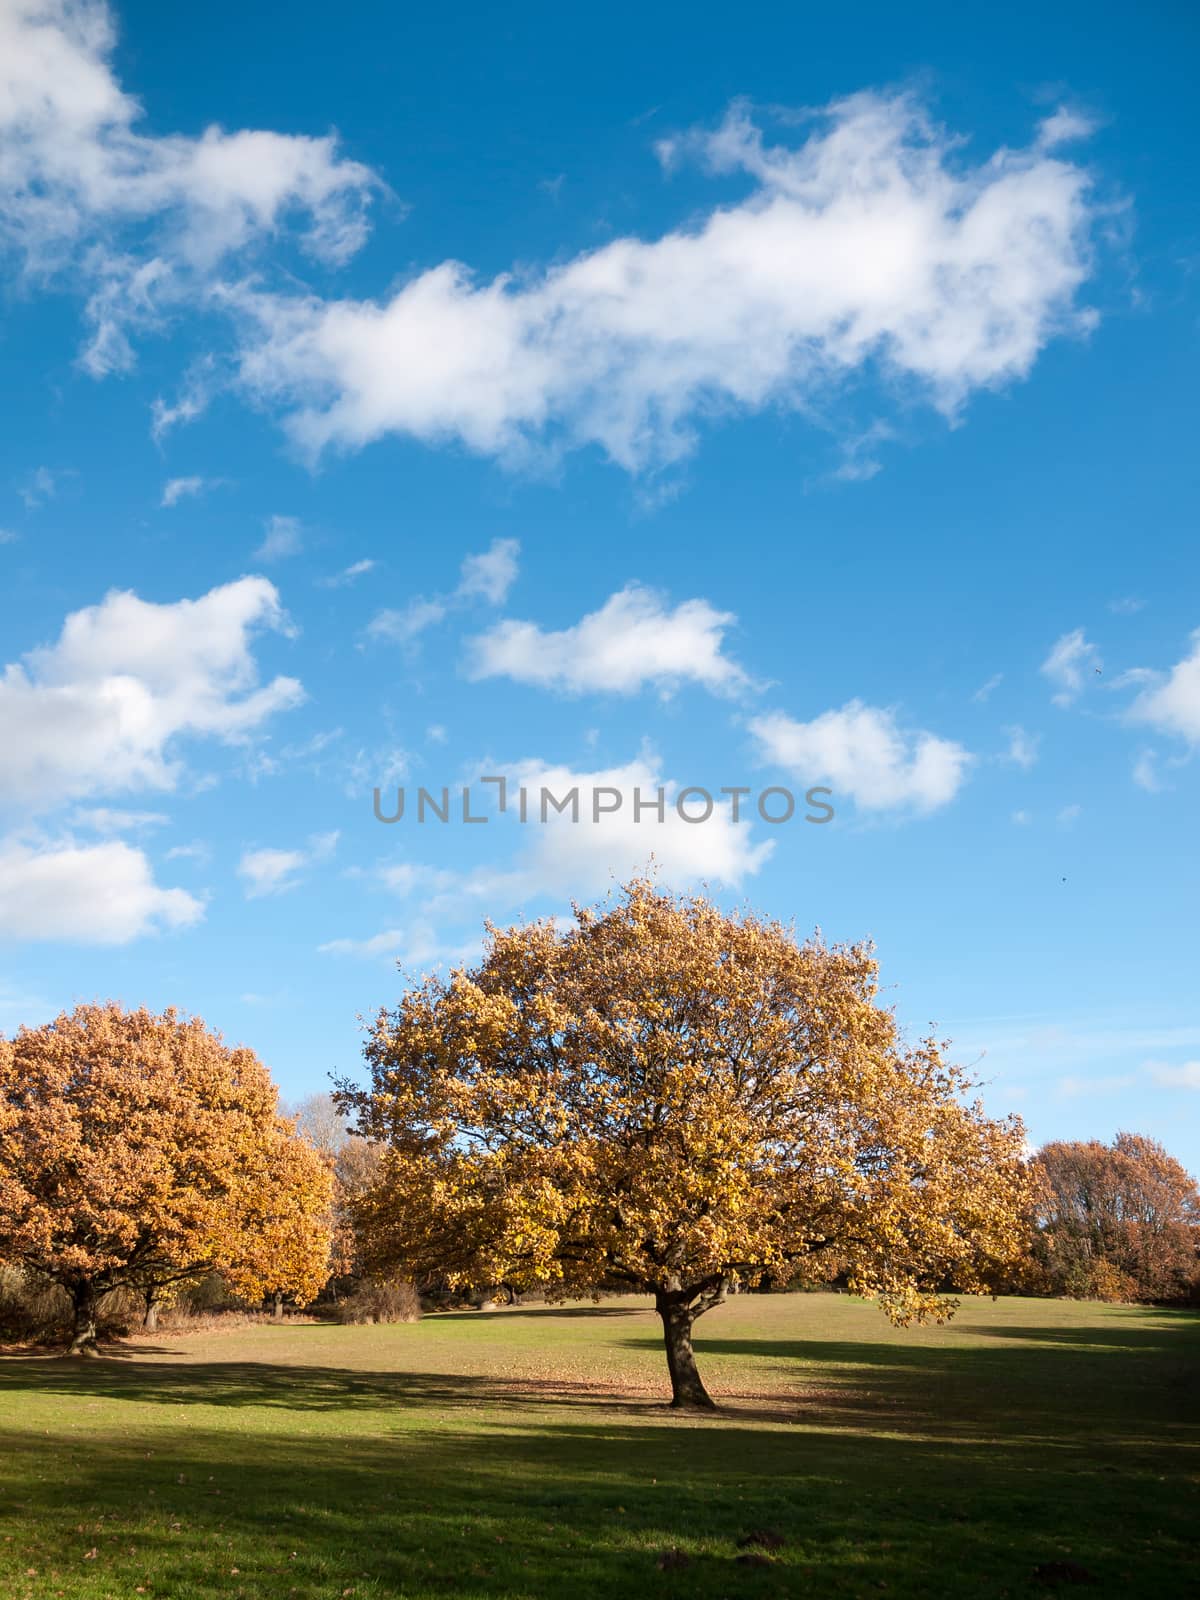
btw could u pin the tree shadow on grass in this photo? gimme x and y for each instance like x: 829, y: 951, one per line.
x: 523, y: 1506
x: 1015, y: 1387
x: 927, y: 1469
x: 304, y: 1388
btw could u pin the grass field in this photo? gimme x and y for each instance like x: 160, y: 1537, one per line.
x: 529, y: 1453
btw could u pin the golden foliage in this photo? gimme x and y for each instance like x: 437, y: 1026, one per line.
x: 663, y: 1096
x: 138, y: 1149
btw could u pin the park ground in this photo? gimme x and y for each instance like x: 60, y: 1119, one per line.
x: 1027, y: 1447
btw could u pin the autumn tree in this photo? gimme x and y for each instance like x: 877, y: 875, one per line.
x: 139, y: 1150
x: 660, y: 1097
x: 1119, y: 1221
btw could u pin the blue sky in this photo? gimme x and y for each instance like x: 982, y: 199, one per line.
x: 803, y: 399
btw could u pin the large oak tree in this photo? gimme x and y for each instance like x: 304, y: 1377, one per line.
x: 663, y: 1097
x: 139, y: 1150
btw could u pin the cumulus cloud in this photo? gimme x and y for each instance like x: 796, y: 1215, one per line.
x: 100, y: 710
x: 89, y: 894
x: 860, y: 751
x: 634, y: 639
x: 144, y: 219
x: 868, y: 240
x: 1172, y: 705
x: 871, y: 242
x: 271, y: 871
x: 566, y: 858
x: 1070, y: 664
x: 593, y: 828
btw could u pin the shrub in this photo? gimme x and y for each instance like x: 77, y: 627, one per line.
x: 381, y: 1300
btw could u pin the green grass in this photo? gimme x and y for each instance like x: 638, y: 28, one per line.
x: 529, y: 1453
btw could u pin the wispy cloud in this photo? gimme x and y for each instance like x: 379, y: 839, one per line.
x: 486, y: 576
x: 1071, y: 664
x: 348, y: 575
x: 272, y: 871
x: 282, y: 539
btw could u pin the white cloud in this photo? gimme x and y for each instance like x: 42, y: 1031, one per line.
x: 1145, y: 772
x: 1075, y: 1087
x: 144, y: 220
x: 1069, y: 816
x: 1065, y: 126
x: 1185, y: 1076
x: 282, y: 539
x: 986, y: 690
x: 871, y: 243
x: 634, y: 639
x: 491, y: 575
x: 1022, y: 747
x: 405, y: 625
x: 417, y: 947
x: 576, y: 849
x: 177, y: 489
x: 1022, y: 818
x: 41, y: 485
x: 193, y: 400
x: 487, y: 576
x: 1173, y: 704
x: 86, y: 894
x: 7, y: 536
x: 565, y: 858
x: 862, y: 752
x: 270, y: 871
x: 1126, y: 605
x: 348, y: 575
x: 1070, y: 665
x: 100, y: 710
x: 197, y: 851
x: 106, y: 820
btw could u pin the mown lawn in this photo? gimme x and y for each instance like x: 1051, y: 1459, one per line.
x: 529, y: 1453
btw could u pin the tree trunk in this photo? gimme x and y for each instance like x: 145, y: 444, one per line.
x: 678, y: 1313
x: 83, y: 1335
x: 278, y: 1308
x: 150, y: 1320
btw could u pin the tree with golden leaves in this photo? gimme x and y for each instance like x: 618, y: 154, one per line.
x: 663, y: 1097
x: 138, y: 1149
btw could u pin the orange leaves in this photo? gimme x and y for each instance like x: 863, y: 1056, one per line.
x: 138, y: 1148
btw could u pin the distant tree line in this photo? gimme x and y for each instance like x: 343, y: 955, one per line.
x: 1115, y: 1222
